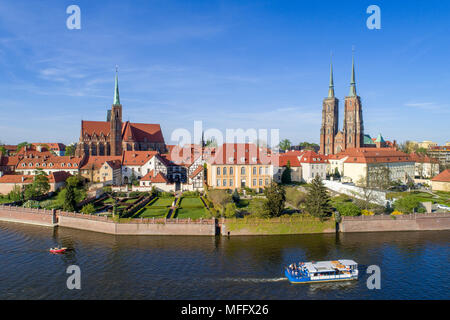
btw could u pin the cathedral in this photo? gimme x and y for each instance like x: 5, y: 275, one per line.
x: 113, y: 136
x: 333, y: 140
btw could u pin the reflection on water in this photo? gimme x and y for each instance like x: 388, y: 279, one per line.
x: 178, y: 267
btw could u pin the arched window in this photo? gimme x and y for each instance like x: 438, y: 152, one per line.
x: 243, y: 170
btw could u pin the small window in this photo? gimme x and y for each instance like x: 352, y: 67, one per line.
x: 243, y: 170
x: 231, y: 182
x: 231, y: 170
x: 254, y: 171
x: 224, y: 171
x: 218, y: 182
x: 218, y: 171
x: 224, y: 182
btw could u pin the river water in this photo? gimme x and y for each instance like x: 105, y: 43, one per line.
x: 414, y: 265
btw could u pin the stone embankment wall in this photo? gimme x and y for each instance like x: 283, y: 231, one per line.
x: 412, y: 222
x: 138, y: 226
x: 39, y: 217
x: 205, y: 227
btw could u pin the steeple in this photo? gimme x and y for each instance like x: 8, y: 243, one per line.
x: 116, y: 90
x: 331, y: 87
x: 353, y: 82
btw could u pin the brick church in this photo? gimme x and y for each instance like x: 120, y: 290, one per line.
x: 333, y: 140
x: 113, y: 136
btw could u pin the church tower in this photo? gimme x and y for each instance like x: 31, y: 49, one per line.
x: 115, y: 120
x: 330, y: 118
x: 353, y: 120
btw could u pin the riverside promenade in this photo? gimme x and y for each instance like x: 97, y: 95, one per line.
x: 228, y: 227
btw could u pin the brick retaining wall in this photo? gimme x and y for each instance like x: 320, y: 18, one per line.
x: 39, y: 217
x: 411, y: 222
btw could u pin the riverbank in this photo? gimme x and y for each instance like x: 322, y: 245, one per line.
x: 226, y: 227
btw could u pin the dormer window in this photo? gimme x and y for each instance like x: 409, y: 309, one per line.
x: 254, y: 159
x: 44, y: 165
x: 23, y: 164
x: 242, y: 159
x: 30, y: 164
x: 62, y: 164
x: 50, y: 164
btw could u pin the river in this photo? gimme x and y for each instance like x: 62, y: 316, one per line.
x: 414, y: 265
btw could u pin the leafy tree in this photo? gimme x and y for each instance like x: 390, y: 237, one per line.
x: 69, y: 199
x: 75, y: 181
x: 407, y: 204
x: 219, y: 198
x: 318, y: 200
x: 16, y: 194
x: 286, y: 175
x: 258, y: 209
x: 88, y: 209
x: 275, y: 199
x: 285, y: 144
x: 70, y: 150
x: 21, y: 145
x: 40, y: 183
x: 230, y: 210
x: 308, y: 145
x: 295, y: 197
x: 2, y: 150
x: 236, y: 198
x: 336, y: 174
x: 348, y: 209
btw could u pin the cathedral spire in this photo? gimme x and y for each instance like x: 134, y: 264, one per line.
x: 116, y: 90
x: 353, y: 82
x: 331, y: 87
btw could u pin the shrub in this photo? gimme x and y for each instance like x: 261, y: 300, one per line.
x: 219, y: 198
x: 407, y: 204
x: 230, y: 210
x: 367, y: 213
x: 258, y: 209
x: 191, y: 194
x: 396, y: 213
x: 88, y: 209
x: 276, y: 198
x: 348, y: 209
x: 166, y: 195
x: 31, y: 204
x: 295, y: 197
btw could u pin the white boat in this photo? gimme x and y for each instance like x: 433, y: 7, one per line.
x: 322, y: 271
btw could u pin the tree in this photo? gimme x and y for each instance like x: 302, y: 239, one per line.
x: 275, y: 199
x: 336, y: 174
x: 295, y: 197
x: 21, y: 145
x: 285, y: 144
x: 70, y: 150
x: 236, y: 198
x: 318, y: 200
x: 88, y: 209
x: 286, y: 175
x: 407, y: 204
x: 69, y: 199
x: 308, y: 145
x: 348, y: 209
x: 219, y: 198
x: 230, y: 210
x: 15, y: 194
x: 41, y: 183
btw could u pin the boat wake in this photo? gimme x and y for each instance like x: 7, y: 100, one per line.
x: 254, y: 280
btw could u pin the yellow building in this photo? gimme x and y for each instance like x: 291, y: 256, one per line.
x: 105, y: 169
x: 239, y: 165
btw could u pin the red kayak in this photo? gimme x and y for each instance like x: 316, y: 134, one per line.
x: 58, y: 250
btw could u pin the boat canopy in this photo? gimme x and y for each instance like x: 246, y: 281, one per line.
x: 348, y: 262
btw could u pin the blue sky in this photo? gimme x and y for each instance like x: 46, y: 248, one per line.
x: 232, y: 64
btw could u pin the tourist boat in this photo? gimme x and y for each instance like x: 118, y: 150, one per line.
x: 58, y: 250
x: 323, y: 271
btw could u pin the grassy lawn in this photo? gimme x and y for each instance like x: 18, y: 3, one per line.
x: 163, y: 202
x: 193, y: 213
x: 297, y: 225
x: 109, y: 200
x: 189, y: 202
x: 442, y: 197
x: 131, y: 201
x: 149, y: 212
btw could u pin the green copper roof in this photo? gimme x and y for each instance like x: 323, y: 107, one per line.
x: 379, y: 138
x: 368, y: 139
x: 353, y: 82
x: 116, y: 91
x: 331, y: 87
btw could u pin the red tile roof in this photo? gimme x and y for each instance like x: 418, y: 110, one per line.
x: 372, y: 155
x: 159, y: 178
x: 137, y: 158
x: 96, y: 162
x: 16, y: 178
x: 444, y: 176
x: 49, y: 162
x: 241, y: 153
x: 140, y: 132
x: 197, y: 171
x: 422, y: 158
x: 59, y: 176
x: 284, y: 158
x: 310, y: 156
